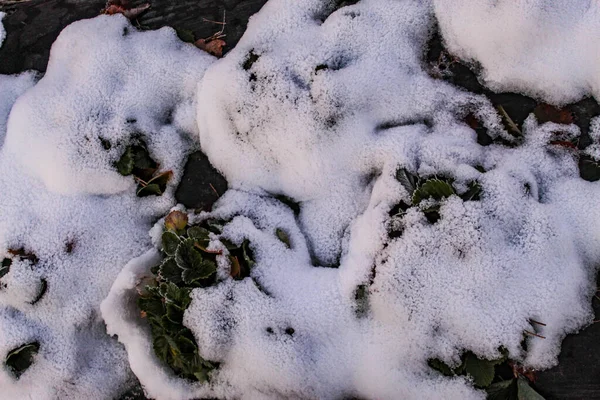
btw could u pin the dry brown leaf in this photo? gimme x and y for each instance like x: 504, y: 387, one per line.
x: 214, y: 46
x: 548, y: 113
x: 120, y: 7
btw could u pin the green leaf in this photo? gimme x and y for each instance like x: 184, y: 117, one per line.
x: 201, y: 375
x: 142, y: 159
x: 170, y: 271
x: 21, y: 358
x: 161, y: 179
x: 473, y: 193
x: 187, y: 256
x: 5, y: 266
x: 432, y: 188
x: 170, y: 242
x: 185, y: 35
x: 202, y: 271
x: 407, y: 180
x: 200, y: 235
x: 187, y: 346
x: 175, y: 294
x: 283, y: 236
x: 41, y: 291
x: 248, y: 254
x: 174, y: 313
x: 440, y: 366
x: 149, y: 190
x: 505, y: 390
x: 161, y: 347
x: 153, y: 306
x: 526, y: 392
x: 482, y: 371
x: 125, y: 163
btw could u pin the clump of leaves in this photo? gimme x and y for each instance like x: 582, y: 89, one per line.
x: 188, y: 263
x: 136, y: 161
x: 488, y: 374
x: 20, y: 359
x: 435, y: 190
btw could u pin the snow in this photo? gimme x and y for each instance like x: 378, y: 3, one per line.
x: 59, y: 187
x: 527, y: 46
x: 324, y: 107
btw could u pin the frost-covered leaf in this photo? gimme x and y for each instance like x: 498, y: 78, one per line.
x: 526, y: 392
x: 176, y: 221
x: 174, y: 294
x: 170, y: 271
x: 283, y: 236
x: 174, y: 313
x: 199, y: 233
x: 407, y: 180
x: 20, y: 359
x: 473, y: 193
x: 170, y: 242
x: 436, y: 189
x: 186, y: 255
x: 481, y: 370
x: 200, y: 271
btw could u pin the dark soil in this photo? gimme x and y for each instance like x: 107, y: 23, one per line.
x: 33, y: 25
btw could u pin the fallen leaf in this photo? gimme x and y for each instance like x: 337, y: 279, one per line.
x: 214, y: 46
x: 564, y: 143
x: 548, y: 113
x: 120, y: 7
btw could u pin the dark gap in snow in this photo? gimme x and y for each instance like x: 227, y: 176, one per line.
x: 201, y: 184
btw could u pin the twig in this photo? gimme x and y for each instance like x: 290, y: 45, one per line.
x: 537, y: 322
x: 534, y: 334
x: 214, y: 190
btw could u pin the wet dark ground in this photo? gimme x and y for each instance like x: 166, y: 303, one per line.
x: 33, y: 25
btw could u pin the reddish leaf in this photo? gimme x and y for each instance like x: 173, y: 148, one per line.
x: 120, y: 7
x: 472, y: 121
x: 547, y: 113
x: 564, y: 143
x: 214, y: 46
x: 236, y: 268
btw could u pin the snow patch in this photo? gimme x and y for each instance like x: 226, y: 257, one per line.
x: 64, y: 202
x: 527, y: 46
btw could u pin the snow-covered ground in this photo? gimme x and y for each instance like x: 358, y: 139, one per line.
x: 323, y: 106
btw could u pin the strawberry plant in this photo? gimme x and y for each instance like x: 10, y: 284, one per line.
x: 188, y: 263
